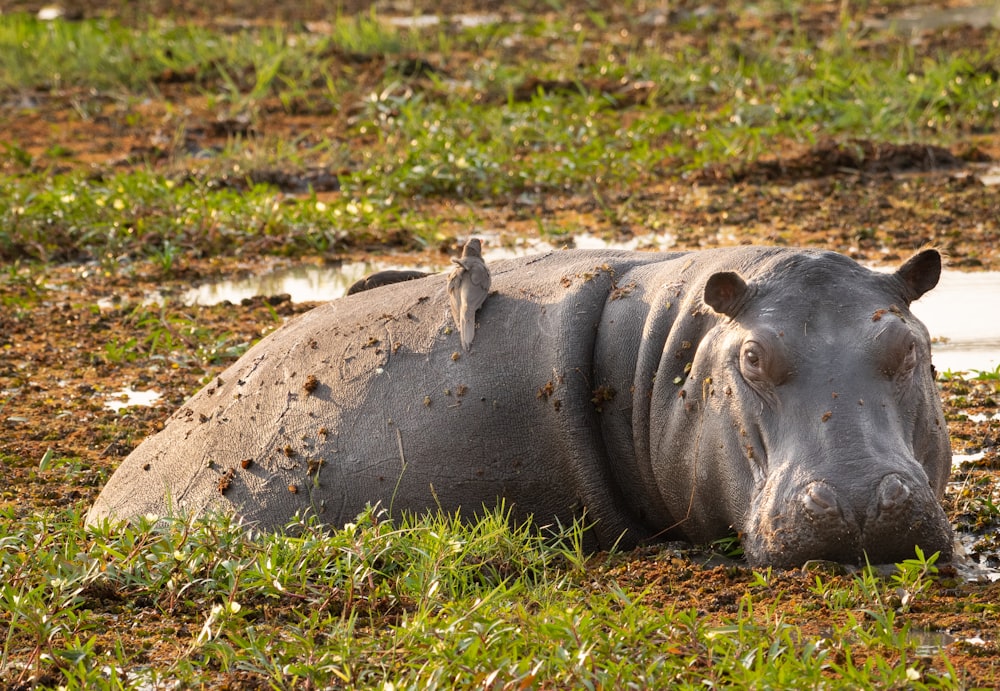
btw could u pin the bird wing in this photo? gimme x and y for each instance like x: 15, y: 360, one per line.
x: 455, y: 281
x: 479, y: 274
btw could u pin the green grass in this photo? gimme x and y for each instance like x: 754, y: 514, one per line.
x: 983, y: 376
x: 422, y: 603
x: 457, y: 133
x: 169, y: 331
x: 988, y: 375
x: 146, y: 215
x: 105, y: 55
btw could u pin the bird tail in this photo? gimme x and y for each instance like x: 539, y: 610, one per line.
x: 467, y: 328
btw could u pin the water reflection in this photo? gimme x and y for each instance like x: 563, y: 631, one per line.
x: 982, y: 568
x: 308, y: 283
x: 929, y: 643
x: 961, y: 315
x: 990, y: 176
x: 130, y: 397
x: 424, y: 21
x: 304, y: 283
x: 960, y: 312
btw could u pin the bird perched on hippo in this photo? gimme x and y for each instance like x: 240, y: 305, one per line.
x: 784, y: 393
x: 468, y: 287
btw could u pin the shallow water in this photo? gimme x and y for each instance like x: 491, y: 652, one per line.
x: 929, y: 643
x: 423, y: 21
x: 304, y: 283
x: 963, y: 316
x: 961, y: 313
x: 990, y: 176
x: 127, y: 397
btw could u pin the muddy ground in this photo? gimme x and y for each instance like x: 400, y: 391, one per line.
x: 66, y: 332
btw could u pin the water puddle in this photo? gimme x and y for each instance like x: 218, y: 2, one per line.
x: 310, y: 283
x: 961, y: 315
x: 153, y: 298
x: 983, y: 568
x: 929, y: 18
x: 975, y: 549
x: 959, y: 312
x: 424, y: 21
x: 990, y: 176
x: 304, y: 283
x: 959, y: 458
x: 129, y: 397
x: 929, y: 643
x: 983, y: 417
x: 50, y: 13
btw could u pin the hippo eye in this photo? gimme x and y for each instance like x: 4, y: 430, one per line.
x: 752, y: 359
x: 763, y: 361
x: 904, y: 365
x: 910, y: 359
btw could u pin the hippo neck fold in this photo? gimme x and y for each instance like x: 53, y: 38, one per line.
x: 648, y: 349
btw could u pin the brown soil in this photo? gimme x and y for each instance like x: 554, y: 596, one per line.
x: 872, y: 201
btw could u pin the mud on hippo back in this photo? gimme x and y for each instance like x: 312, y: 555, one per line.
x: 787, y: 394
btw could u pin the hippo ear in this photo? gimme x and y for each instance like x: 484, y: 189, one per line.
x: 920, y: 273
x: 724, y: 292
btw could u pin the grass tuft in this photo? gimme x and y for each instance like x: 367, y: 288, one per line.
x: 425, y: 602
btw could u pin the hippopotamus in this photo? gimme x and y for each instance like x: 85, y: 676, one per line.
x: 382, y: 278
x: 785, y: 394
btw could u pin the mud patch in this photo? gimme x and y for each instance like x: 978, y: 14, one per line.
x: 299, y: 182
x: 855, y: 157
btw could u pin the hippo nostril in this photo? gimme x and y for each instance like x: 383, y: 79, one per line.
x: 820, y: 500
x: 892, y: 492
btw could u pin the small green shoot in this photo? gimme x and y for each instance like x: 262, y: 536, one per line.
x: 730, y: 546
x: 911, y: 577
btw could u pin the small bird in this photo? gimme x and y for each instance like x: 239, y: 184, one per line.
x: 468, y: 286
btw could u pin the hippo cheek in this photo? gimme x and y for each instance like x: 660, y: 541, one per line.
x: 816, y: 520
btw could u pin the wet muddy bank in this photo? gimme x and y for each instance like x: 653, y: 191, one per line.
x: 95, y: 356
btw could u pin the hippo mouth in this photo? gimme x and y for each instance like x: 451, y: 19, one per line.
x: 816, y: 525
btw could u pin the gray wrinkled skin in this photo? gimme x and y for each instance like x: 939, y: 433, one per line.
x: 786, y: 393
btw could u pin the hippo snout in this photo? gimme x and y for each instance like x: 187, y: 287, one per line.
x: 824, y: 521
x: 905, y: 514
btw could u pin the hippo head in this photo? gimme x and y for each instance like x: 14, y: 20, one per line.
x: 818, y: 411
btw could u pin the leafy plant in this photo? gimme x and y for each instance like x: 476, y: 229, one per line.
x: 731, y: 546
x: 911, y: 578
x: 992, y: 375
